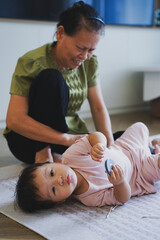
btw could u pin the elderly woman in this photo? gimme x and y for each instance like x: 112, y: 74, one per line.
x: 49, y: 86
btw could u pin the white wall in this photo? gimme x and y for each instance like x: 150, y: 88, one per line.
x: 121, y: 52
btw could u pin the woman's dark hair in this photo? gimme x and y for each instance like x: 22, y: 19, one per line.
x: 27, y: 196
x: 78, y: 16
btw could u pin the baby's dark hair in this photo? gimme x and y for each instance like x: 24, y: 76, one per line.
x: 78, y: 16
x: 27, y: 196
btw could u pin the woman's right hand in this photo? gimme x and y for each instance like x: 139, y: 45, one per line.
x: 19, y: 121
x: 71, y: 138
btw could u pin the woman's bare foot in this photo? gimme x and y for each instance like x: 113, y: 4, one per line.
x: 57, y: 157
x: 44, y: 155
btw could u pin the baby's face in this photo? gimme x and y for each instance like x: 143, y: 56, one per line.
x: 55, y: 181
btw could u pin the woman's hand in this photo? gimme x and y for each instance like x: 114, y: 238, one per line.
x: 69, y: 139
x: 117, y: 175
x: 97, y: 152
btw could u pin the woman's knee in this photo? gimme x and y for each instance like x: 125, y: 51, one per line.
x: 50, y: 78
x: 22, y: 148
x: 50, y: 85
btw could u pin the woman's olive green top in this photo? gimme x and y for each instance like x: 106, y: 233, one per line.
x: 78, y: 81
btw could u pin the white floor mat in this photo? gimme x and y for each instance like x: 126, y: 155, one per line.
x: 138, y: 219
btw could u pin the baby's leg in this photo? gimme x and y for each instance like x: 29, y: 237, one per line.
x: 151, y: 168
x: 159, y: 162
x: 136, y: 136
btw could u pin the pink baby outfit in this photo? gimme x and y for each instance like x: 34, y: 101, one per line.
x: 130, y: 151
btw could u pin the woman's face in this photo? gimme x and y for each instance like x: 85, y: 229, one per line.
x: 73, y: 50
x: 55, y: 181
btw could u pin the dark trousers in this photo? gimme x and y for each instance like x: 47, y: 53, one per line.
x: 48, y: 104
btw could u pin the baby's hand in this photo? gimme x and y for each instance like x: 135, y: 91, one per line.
x: 97, y: 152
x: 117, y: 175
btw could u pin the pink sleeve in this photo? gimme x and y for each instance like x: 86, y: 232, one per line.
x: 80, y: 148
x: 100, y: 198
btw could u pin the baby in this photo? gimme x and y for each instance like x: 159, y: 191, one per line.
x: 82, y: 173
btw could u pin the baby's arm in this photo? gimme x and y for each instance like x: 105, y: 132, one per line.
x: 98, y: 142
x: 122, y: 190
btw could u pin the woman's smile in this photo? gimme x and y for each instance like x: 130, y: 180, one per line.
x: 71, y: 51
x: 77, y: 63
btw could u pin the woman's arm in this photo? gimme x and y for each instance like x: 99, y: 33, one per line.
x: 99, y: 112
x: 19, y: 121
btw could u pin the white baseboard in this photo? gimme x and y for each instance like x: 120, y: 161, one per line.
x: 112, y: 111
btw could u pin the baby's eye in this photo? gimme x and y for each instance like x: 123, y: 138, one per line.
x: 53, y: 190
x: 51, y: 173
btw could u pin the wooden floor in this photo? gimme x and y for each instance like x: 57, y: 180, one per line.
x: 9, y: 229
x: 122, y: 121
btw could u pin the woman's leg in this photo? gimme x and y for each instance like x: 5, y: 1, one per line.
x: 48, y: 99
x: 48, y: 103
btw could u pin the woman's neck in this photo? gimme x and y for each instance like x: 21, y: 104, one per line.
x: 56, y: 58
x: 82, y: 184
